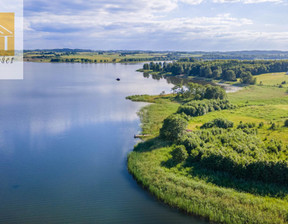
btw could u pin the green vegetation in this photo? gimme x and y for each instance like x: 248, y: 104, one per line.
x: 223, y: 158
x: 174, y: 127
x: 219, y: 123
x: 89, y: 56
x: 179, y: 154
x: 228, y: 70
x: 201, y: 107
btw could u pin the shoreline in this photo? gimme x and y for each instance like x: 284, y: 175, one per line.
x: 194, y: 196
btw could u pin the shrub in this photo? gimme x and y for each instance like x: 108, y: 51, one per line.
x: 261, y: 124
x: 218, y: 123
x: 179, y: 154
x: 238, y: 153
x: 273, y: 126
x: 286, y: 123
x: 199, y: 108
x: 174, y: 127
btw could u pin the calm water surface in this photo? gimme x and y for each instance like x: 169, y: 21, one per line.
x: 65, y: 131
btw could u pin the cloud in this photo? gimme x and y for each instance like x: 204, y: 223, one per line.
x: 143, y: 24
x: 192, y: 2
x: 248, y: 1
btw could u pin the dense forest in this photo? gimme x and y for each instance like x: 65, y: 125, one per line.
x: 229, y: 70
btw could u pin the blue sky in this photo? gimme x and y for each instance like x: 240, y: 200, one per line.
x: 190, y: 25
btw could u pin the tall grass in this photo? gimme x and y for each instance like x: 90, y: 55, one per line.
x: 182, y: 189
x: 216, y: 195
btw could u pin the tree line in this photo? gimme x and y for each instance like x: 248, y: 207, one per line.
x: 219, y: 146
x: 229, y: 70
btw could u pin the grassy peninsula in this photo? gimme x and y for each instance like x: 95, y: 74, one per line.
x: 221, y: 157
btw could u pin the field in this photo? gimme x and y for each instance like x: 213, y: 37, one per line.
x: 95, y: 56
x: 217, y: 195
x: 273, y: 79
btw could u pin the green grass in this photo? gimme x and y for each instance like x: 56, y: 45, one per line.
x: 255, y: 114
x: 255, y: 95
x: 152, y: 116
x: 101, y: 58
x: 216, y: 195
x: 273, y: 79
x: 181, y: 188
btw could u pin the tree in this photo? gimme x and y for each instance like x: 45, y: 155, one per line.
x: 230, y: 75
x: 177, y: 69
x: 214, y: 92
x: 208, y: 72
x: 174, y: 127
x: 247, y: 78
x: 219, y: 123
x: 216, y: 74
x: 179, y: 154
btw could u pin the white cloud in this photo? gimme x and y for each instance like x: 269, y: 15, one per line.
x: 141, y: 24
x: 247, y: 1
x: 192, y: 2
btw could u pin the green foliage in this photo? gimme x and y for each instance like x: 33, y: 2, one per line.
x: 234, y: 175
x: 214, y: 92
x: 249, y: 128
x: 199, y: 108
x: 217, y: 196
x: 141, y: 98
x: 273, y: 126
x: 218, y: 123
x: 230, y: 75
x: 239, y: 153
x: 261, y: 124
x: 179, y: 154
x: 228, y: 70
x: 247, y: 78
x: 174, y: 127
x: 194, y: 91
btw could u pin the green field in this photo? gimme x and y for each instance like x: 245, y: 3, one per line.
x: 91, y: 56
x: 273, y: 79
x: 217, y: 195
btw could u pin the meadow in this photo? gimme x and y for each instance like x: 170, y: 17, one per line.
x: 204, y: 187
x: 75, y: 56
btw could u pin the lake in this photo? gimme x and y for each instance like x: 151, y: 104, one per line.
x: 65, y: 132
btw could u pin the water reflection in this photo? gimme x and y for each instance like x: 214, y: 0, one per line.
x: 65, y: 132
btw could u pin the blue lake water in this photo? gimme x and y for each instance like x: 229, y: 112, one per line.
x: 65, y: 132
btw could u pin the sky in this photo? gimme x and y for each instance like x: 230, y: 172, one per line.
x: 159, y: 25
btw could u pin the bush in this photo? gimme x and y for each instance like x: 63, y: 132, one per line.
x: 218, y: 123
x: 174, y: 127
x: 273, y: 126
x: 247, y: 78
x: 179, y: 154
x: 261, y: 124
x: 198, y: 108
x: 238, y: 153
x: 286, y: 123
x: 214, y: 92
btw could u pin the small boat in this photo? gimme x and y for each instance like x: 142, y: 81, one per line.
x: 118, y: 79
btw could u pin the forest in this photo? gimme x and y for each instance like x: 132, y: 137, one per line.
x: 228, y: 70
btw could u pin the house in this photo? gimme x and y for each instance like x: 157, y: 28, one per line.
x: 5, y: 34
